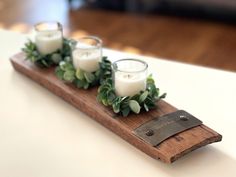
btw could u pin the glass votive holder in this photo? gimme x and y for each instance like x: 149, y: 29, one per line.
x: 87, y: 53
x: 48, y: 37
x: 129, y: 76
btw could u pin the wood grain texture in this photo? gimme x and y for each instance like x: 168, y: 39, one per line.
x: 85, y: 100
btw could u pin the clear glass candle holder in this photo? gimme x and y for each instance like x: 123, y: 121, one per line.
x: 48, y: 37
x: 87, y: 53
x: 129, y: 76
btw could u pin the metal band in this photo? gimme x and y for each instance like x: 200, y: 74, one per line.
x: 159, y: 129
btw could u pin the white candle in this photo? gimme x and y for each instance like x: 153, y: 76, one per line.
x: 87, y: 53
x: 48, y: 42
x: 129, y: 84
x: 86, y: 59
x: 129, y: 76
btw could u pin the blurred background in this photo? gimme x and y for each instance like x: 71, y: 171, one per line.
x: 201, y: 32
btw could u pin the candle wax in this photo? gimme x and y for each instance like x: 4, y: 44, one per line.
x: 48, y: 42
x: 86, y: 59
x: 129, y: 84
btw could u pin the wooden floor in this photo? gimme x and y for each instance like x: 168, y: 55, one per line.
x: 188, y: 40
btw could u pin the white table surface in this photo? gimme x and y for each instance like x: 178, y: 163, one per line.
x: 43, y: 136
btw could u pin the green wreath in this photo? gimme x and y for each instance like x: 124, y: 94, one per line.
x: 82, y: 79
x: 46, y: 61
x: 145, y: 100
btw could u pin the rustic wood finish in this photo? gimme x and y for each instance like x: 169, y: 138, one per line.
x: 168, y: 151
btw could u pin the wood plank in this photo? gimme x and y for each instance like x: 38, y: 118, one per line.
x: 168, y: 151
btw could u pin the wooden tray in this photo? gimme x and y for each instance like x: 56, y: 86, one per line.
x: 85, y: 100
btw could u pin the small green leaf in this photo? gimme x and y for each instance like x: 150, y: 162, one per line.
x: 116, y: 108
x: 150, y: 80
x: 35, y: 53
x: 104, y: 101
x: 152, y: 89
x: 146, y: 107
x: 80, y: 83
x: 143, y: 96
x: 79, y: 74
x: 111, y: 97
x: 134, y: 106
x: 89, y: 77
x: 86, y: 85
x: 107, y: 73
x: 69, y: 76
x: 163, y: 96
x: 66, y: 66
x: 62, y: 65
x: 125, y: 112
x: 150, y: 102
x: 45, y: 63
x: 97, y: 73
x: 56, y: 58
x: 67, y: 59
x: 101, y: 96
x: 59, y: 73
x: 122, y: 99
x: 33, y: 58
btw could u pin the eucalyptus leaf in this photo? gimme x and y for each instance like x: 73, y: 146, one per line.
x: 104, y: 101
x: 143, y: 96
x: 150, y: 103
x: 163, y: 96
x: 45, y: 63
x: 56, y: 58
x: 33, y: 59
x: 150, y: 80
x: 89, y: 77
x: 66, y: 66
x: 67, y: 59
x: 134, y: 106
x: 135, y: 97
x: 125, y: 112
x: 80, y: 83
x: 69, y: 76
x: 145, y: 107
x: 116, y: 108
x: 102, y: 96
x: 86, y: 85
x: 152, y: 90
x: 111, y: 97
x: 63, y: 65
x: 122, y: 99
x: 97, y: 73
x: 69, y: 66
x: 35, y: 53
x: 59, y: 73
x: 79, y: 74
